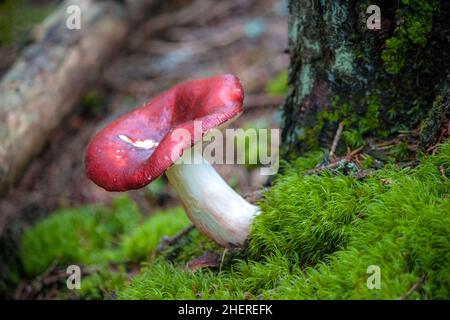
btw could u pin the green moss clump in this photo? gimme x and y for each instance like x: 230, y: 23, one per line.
x: 104, y: 240
x: 415, y: 23
x: 85, y: 235
x: 139, y: 244
x: 102, y: 284
x: 316, y: 215
x: 162, y: 280
x: 317, y: 236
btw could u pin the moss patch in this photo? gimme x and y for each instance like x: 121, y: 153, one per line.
x: 142, y: 242
x: 85, y: 235
x: 107, y: 242
x: 317, y: 236
x: 415, y: 20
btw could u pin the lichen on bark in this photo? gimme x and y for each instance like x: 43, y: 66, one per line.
x: 376, y: 81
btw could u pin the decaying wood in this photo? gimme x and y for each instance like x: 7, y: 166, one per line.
x: 43, y: 85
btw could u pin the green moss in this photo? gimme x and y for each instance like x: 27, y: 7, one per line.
x: 315, y: 239
x: 317, y: 235
x: 401, y: 151
x: 405, y: 232
x: 85, y: 235
x: 358, y: 126
x: 103, y: 240
x: 434, y: 120
x: 415, y: 20
x: 163, y: 280
x: 368, y: 162
x: 141, y: 243
x: 103, y: 283
x: 314, y: 221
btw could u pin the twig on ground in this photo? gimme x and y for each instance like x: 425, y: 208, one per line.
x: 225, y: 250
x: 165, y: 242
x: 332, y: 165
x: 353, y: 153
x: 336, y: 139
x: 208, y: 259
x: 414, y: 288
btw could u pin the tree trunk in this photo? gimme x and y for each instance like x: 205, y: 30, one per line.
x: 47, y: 80
x: 374, y: 82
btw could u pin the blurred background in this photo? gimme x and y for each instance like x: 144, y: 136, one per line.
x: 180, y: 40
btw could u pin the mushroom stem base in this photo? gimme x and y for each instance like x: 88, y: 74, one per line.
x: 211, y: 204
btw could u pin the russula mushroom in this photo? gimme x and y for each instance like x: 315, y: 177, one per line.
x: 138, y: 147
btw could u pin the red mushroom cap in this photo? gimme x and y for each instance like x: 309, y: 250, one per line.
x: 137, y: 148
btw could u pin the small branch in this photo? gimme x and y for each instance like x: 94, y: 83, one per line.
x: 353, y: 153
x: 165, y: 242
x: 209, y: 259
x: 222, y: 258
x: 332, y: 165
x: 337, y: 137
x: 414, y: 288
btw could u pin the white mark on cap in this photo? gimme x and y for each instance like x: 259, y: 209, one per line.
x: 144, y: 144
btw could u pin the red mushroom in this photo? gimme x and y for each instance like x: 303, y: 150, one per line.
x: 138, y: 147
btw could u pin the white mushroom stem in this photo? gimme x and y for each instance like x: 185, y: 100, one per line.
x: 211, y: 204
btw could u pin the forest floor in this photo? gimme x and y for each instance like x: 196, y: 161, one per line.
x: 325, y: 219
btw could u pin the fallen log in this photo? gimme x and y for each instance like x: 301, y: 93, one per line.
x: 46, y: 81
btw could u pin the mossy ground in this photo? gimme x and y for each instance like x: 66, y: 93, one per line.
x: 107, y: 242
x: 316, y: 237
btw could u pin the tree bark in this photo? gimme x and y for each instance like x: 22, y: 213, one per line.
x: 44, y: 84
x: 375, y: 82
